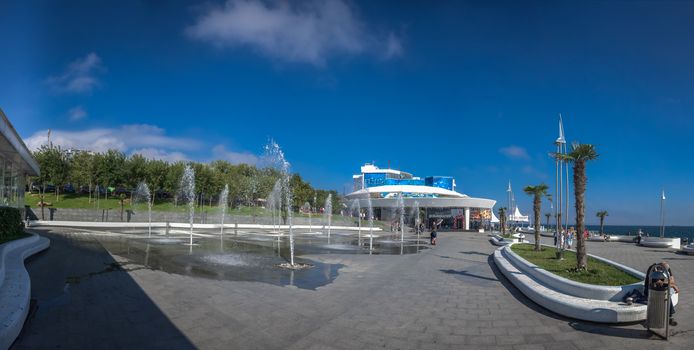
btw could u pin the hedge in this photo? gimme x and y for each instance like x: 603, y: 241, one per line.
x: 10, y: 222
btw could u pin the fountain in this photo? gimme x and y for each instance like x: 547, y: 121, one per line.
x: 142, y: 194
x: 417, y: 220
x: 370, y: 212
x: 223, y: 198
x: 354, y: 206
x: 401, y: 212
x: 329, y: 211
x: 275, y: 156
x: 187, y: 189
x: 307, y: 208
x: 275, y: 203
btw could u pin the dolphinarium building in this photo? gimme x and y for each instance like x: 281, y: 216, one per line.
x: 436, y: 196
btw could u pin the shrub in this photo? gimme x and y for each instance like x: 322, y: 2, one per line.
x: 10, y: 222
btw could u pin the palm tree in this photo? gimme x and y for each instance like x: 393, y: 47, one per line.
x: 548, y: 215
x: 601, y: 214
x: 502, y: 220
x: 580, y: 154
x: 537, y: 192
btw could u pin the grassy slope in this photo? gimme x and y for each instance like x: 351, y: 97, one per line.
x: 598, y: 272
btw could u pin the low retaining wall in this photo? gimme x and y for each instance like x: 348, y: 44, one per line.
x: 130, y: 216
x: 578, y: 289
x: 15, y: 285
x: 40, y: 223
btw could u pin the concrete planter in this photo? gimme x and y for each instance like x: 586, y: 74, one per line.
x: 688, y: 249
x: 617, y: 238
x: 578, y: 289
x: 658, y: 242
x: 15, y: 285
x: 542, y: 288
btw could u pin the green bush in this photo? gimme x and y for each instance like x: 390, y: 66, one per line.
x: 11, y: 222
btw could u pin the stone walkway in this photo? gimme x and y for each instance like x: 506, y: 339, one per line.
x: 451, y: 296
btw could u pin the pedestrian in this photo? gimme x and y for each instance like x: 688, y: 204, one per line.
x: 433, y: 236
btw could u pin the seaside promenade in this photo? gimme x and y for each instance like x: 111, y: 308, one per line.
x: 448, y: 297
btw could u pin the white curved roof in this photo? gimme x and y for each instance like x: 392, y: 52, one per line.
x: 517, y: 216
x: 494, y: 218
x: 409, y: 189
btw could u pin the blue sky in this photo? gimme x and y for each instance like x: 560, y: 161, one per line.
x: 468, y: 89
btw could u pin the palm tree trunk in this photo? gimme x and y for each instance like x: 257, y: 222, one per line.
x: 536, y: 208
x: 579, y: 192
x: 602, y: 220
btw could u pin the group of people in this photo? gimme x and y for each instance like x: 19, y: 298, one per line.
x: 568, y: 237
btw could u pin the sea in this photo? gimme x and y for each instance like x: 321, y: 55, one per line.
x: 670, y: 231
x: 653, y: 231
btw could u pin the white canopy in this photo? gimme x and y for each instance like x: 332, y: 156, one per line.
x: 518, y: 217
x: 494, y: 218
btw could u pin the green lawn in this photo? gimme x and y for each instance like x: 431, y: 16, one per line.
x: 598, y: 272
x: 5, y: 239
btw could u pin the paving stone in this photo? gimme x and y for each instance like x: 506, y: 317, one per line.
x: 392, y: 302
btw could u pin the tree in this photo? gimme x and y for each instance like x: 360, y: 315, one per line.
x: 301, y: 191
x: 580, y: 154
x: 156, y: 176
x: 601, y: 214
x: 173, y: 178
x: 110, y: 167
x: 136, y: 170
x: 537, y: 192
x: 548, y: 215
x: 55, y: 167
x: 502, y: 220
x: 82, y: 171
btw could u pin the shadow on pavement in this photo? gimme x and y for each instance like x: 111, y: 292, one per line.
x: 465, y: 273
x: 473, y: 253
x: 86, y: 299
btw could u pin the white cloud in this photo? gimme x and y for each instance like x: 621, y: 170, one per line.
x: 126, y: 138
x: 514, y: 152
x: 306, y: 32
x: 220, y: 152
x: 155, y: 153
x: 80, y: 76
x: 77, y: 113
